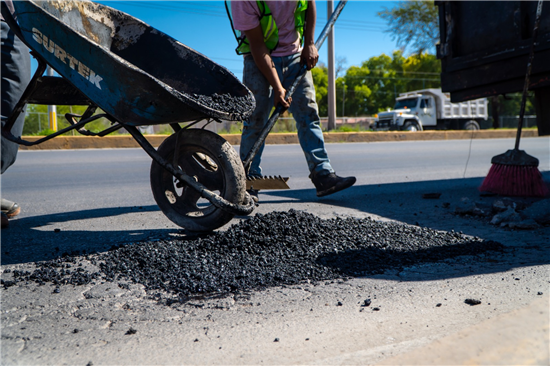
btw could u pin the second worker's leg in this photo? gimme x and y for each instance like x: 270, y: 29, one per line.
x: 252, y: 127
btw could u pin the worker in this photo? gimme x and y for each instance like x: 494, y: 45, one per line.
x: 271, y: 64
x: 16, y: 70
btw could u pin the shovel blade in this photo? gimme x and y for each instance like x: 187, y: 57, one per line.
x: 267, y: 182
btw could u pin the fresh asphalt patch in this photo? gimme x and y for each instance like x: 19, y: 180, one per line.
x: 274, y: 249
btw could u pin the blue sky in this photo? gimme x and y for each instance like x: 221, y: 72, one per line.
x: 204, y: 26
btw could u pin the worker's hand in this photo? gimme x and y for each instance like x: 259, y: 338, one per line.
x: 309, y: 56
x: 279, y: 98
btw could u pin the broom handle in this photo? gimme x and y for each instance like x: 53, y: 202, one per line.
x: 275, y: 115
x: 529, y: 64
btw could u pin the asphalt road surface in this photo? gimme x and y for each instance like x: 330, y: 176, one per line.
x: 86, y: 201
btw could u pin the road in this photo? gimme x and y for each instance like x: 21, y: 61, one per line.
x: 98, y: 198
x: 89, y: 200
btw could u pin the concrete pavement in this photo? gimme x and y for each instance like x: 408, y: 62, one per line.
x: 519, y: 337
x: 422, y: 317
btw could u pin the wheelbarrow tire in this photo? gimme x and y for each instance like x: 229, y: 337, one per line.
x: 213, y: 162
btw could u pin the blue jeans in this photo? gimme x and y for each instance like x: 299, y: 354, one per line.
x: 303, y: 108
x: 16, y: 74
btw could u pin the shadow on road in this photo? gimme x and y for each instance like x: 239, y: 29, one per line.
x: 405, y: 202
x: 402, y: 202
x: 25, y: 241
x: 435, y: 263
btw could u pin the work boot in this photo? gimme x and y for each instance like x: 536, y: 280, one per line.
x: 331, y: 183
x: 10, y: 209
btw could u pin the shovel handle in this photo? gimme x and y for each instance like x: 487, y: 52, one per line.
x: 280, y: 109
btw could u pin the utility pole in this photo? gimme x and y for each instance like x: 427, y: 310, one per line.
x: 331, y: 76
x: 52, y: 109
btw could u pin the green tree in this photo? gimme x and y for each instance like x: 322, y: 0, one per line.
x: 372, y: 87
x: 511, y: 104
x: 320, y: 80
x: 354, y: 93
x: 413, y: 25
x: 385, y: 80
x: 422, y: 71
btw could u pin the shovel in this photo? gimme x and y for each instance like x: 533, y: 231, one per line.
x: 281, y: 182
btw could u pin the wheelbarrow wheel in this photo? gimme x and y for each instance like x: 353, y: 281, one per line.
x: 213, y: 162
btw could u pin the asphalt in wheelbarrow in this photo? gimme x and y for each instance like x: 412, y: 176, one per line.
x: 231, y: 104
x: 278, y: 248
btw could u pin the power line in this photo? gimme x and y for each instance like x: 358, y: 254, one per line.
x: 387, y: 77
x: 179, y: 9
x: 214, y: 10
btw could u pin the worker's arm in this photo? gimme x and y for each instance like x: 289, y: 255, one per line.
x: 264, y: 62
x: 310, y: 55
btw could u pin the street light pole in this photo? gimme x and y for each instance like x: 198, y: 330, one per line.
x: 331, y: 124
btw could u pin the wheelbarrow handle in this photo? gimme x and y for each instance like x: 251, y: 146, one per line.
x: 280, y: 109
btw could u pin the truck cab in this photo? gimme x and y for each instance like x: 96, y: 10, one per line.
x: 410, y: 113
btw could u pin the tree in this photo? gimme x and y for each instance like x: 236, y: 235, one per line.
x: 372, y: 87
x: 413, y: 24
x: 341, y: 62
x: 320, y: 80
x: 509, y: 105
x: 355, y: 89
x: 384, y: 81
x: 422, y: 71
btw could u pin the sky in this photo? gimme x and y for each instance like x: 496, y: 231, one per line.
x: 204, y: 26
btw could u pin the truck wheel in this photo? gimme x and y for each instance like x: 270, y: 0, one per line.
x: 411, y: 126
x: 471, y: 125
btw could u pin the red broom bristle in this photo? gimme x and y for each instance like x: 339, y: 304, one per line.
x: 514, y: 180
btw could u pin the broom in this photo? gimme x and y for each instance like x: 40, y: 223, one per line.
x: 515, y: 173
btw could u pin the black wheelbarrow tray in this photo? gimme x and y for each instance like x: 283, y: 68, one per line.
x: 140, y: 76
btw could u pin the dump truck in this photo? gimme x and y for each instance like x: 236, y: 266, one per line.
x: 484, y: 50
x: 431, y: 109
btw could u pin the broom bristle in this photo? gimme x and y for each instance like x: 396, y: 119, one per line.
x: 514, y: 180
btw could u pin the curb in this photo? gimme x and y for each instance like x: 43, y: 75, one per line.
x: 127, y: 141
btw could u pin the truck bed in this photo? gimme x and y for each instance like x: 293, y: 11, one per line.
x: 484, y: 49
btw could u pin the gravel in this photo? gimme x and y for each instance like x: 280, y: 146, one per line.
x: 279, y: 248
x: 472, y: 302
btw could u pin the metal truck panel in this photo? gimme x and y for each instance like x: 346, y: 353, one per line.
x: 484, y: 47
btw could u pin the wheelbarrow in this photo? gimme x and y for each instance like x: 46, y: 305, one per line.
x: 137, y: 76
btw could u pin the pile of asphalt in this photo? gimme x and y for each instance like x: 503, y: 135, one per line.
x: 239, y: 107
x: 67, y: 270
x: 279, y: 248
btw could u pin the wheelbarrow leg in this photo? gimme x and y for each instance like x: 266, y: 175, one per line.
x: 212, y: 197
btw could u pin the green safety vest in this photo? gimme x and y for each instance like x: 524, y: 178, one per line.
x: 269, y: 28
